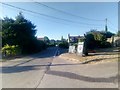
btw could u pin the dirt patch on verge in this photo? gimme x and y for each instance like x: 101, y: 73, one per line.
x: 101, y: 55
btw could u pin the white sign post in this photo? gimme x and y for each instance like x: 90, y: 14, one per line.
x: 80, y: 48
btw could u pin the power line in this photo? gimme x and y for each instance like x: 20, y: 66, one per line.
x: 66, y: 24
x: 58, y: 10
x: 112, y: 24
x: 112, y: 28
x: 48, y: 15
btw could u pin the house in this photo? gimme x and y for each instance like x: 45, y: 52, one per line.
x: 73, y: 43
x: 42, y: 38
x: 52, y: 41
x: 115, y: 40
x: 58, y: 41
x: 74, y: 39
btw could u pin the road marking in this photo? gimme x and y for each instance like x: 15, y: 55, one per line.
x: 57, y: 52
x: 47, y: 68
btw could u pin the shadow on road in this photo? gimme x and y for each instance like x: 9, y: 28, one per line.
x: 61, y: 51
x: 103, y: 53
x: 83, y: 78
x: 69, y: 75
x: 17, y: 68
x: 100, y: 59
x: 49, y: 52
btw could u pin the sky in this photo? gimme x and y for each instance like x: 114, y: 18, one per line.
x: 74, y: 18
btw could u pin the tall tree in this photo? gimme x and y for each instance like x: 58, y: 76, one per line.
x: 46, y: 39
x: 97, y: 39
x: 19, y: 32
x: 8, y: 33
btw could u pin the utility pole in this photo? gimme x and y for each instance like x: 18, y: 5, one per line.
x: 106, y: 29
x: 68, y: 38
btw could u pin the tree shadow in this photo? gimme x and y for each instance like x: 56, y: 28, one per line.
x: 102, y: 53
x: 71, y: 75
x: 18, y: 69
x: 115, y: 49
x: 98, y: 59
x: 61, y: 51
x: 49, y: 52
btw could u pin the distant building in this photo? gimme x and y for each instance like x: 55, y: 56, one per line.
x: 115, y: 40
x: 58, y: 41
x: 42, y: 38
x: 74, y: 39
x: 52, y: 41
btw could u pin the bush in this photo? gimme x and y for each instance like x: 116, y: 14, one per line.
x: 97, y: 39
x: 51, y: 45
x: 105, y: 45
x: 34, y: 47
x: 63, y: 45
x: 90, y: 41
x: 8, y: 50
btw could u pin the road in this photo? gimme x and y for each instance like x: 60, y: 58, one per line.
x: 46, y: 70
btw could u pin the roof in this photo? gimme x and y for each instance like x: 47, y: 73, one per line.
x: 76, y: 36
x: 41, y: 39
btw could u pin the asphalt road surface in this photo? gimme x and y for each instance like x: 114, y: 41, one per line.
x: 46, y: 70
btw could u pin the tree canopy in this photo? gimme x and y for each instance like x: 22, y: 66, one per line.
x: 46, y: 39
x: 96, y: 39
x: 20, y: 32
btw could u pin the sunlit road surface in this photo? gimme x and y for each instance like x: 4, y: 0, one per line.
x: 46, y: 70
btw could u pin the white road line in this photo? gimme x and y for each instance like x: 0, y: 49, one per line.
x: 48, y: 67
x: 56, y: 52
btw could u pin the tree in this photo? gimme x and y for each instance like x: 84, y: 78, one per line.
x: 96, y: 39
x: 107, y: 34
x: 8, y: 33
x: 46, y: 40
x: 26, y: 31
x: 20, y: 32
x: 90, y: 41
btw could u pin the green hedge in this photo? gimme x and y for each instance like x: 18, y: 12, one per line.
x: 64, y: 45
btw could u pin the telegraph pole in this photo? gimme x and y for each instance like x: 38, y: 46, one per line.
x: 106, y: 29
